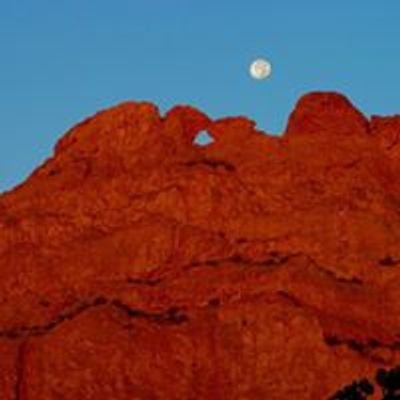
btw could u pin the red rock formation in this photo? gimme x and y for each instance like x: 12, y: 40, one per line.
x: 138, y: 265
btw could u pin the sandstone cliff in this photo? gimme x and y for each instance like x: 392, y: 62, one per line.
x: 138, y: 265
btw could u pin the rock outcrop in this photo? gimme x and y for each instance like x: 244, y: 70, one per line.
x: 136, y: 264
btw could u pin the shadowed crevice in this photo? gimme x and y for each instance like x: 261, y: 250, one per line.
x: 274, y: 258
x: 212, y: 163
x: 388, y: 261
x: 172, y: 315
x: 144, y: 281
x: 363, y: 348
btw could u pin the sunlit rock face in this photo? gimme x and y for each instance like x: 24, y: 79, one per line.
x: 136, y: 264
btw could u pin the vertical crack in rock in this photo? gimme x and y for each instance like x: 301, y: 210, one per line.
x: 19, y: 370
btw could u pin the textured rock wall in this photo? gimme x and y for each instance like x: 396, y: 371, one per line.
x: 138, y: 265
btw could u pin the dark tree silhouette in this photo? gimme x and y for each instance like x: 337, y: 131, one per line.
x: 388, y: 380
x: 358, y: 390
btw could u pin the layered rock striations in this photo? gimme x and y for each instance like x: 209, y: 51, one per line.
x: 136, y: 264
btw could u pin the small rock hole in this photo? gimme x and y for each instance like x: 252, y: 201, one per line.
x: 203, y: 138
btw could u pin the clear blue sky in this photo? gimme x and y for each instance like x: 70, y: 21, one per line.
x: 61, y: 61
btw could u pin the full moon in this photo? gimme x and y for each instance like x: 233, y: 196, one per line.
x: 260, y: 69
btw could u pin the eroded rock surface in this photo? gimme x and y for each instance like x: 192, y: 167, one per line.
x: 138, y: 265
